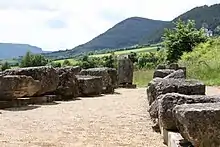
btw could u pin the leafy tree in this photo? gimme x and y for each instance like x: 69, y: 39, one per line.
x: 39, y: 60
x: 66, y: 62
x: 141, y: 62
x: 133, y: 57
x: 26, y: 60
x: 5, y: 66
x: 183, y: 38
x: 31, y: 60
x: 85, y: 58
x: 109, y: 61
x: 86, y: 62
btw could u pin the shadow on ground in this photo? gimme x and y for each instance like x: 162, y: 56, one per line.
x: 25, y: 108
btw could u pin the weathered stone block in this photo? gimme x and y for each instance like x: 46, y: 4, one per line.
x: 160, y: 86
x: 178, y: 74
x: 125, y: 71
x: 161, y: 73
x: 199, y: 123
x: 68, y: 86
x: 108, y: 75
x: 153, y: 110
x: 167, y: 102
x: 89, y: 85
x: 47, y: 76
x: 16, y: 86
x: 114, y: 77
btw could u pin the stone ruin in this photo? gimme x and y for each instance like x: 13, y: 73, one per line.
x: 125, y: 72
x: 38, y: 85
x: 181, y: 111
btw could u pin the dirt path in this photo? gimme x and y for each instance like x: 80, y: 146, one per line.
x: 109, y: 121
x: 112, y: 120
x: 212, y: 90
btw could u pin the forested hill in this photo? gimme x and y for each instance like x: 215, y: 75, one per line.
x: 208, y: 16
x: 136, y: 30
x: 123, y: 34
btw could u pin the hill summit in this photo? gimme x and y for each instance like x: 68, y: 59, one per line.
x: 124, y: 34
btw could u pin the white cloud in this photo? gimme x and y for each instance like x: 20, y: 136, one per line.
x: 61, y: 24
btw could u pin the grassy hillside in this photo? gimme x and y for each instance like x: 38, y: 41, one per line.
x: 203, y: 63
x: 72, y: 61
x: 125, y: 52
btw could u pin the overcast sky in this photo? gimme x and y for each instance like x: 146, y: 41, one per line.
x: 64, y: 24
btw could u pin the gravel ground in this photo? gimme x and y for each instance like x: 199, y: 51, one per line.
x: 212, y: 90
x: 108, y: 121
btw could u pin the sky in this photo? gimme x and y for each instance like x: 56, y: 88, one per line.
x: 64, y: 24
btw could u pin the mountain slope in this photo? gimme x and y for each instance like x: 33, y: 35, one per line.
x: 10, y: 50
x: 204, y: 15
x: 123, y: 34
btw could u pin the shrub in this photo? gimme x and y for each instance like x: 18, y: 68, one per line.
x: 183, y: 38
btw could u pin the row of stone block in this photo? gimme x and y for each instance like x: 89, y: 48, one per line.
x: 68, y: 82
x: 180, y: 105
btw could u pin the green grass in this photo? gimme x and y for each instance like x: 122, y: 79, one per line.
x: 203, y: 62
x: 72, y: 61
x: 207, y: 72
x: 141, y: 50
x: 143, y: 77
